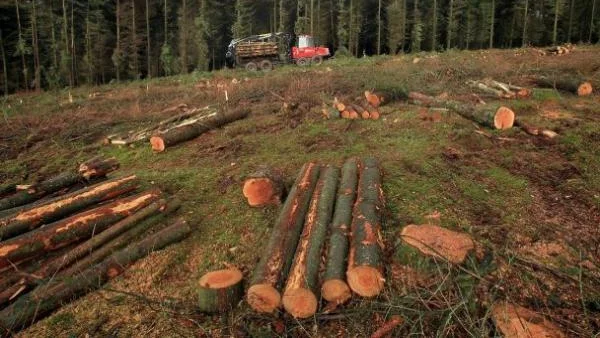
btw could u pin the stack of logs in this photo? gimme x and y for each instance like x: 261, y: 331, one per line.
x: 367, y: 109
x: 323, y: 213
x: 56, y: 244
x: 558, y: 50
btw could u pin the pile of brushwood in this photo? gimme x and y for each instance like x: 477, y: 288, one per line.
x: 66, y: 236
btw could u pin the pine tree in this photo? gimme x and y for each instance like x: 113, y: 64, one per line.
x: 244, y: 22
x: 396, y: 12
x: 22, y: 49
x: 343, y: 27
x: 416, y: 36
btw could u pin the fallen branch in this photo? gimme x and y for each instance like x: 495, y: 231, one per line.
x: 387, y: 327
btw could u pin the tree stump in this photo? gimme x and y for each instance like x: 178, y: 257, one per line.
x: 220, y: 291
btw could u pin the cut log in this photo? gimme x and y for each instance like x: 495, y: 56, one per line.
x: 70, y: 230
x: 62, y: 206
x: 98, y: 167
x: 488, y: 89
x: 136, y: 224
x: 345, y: 114
x: 387, y: 327
x: 373, y: 99
x: 338, y: 105
x: 334, y: 288
x: 514, y: 321
x: 59, y: 182
x: 7, y: 189
x: 46, y: 298
x: 220, y: 291
x: 365, y: 268
x: 187, y: 132
x: 263, y: 187
x: 573, y: 85
x: 535, y: 131
x: 300, y: 293
x: 362, y: 113
x: 497, y: 117
x: 263, y: 294
x: 374, y: 115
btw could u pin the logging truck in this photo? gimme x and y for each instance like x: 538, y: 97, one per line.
x: 262, y: 52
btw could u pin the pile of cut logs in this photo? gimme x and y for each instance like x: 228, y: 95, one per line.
x: 66, y: 236
x: 366, y: 110
x: 558, y: 50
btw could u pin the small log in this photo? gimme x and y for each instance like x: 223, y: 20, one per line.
x: 573, y: 84
x: 338, y: 105
x: 7, y: 189
x: 220, y: 291
x: 374, y: 100
x: 62, y: 206
x: 345, y: 114
x: 365, y: 267
x: 334, y: 288
x: 70, y: 230
x: 263, y: 187
x: 263, y: 294
x: 374, y: 115
x: 362, y: 113
x: 387, y: 327
x: 97, y: 167
x: 57, y: 183
x: 535, y: 131
x: 188, y: 132
x: 46, y: 298
x: 300, y: 294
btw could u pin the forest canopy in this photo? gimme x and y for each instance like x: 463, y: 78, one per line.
x: 49, y: 44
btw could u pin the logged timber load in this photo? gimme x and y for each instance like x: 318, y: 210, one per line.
x: 62, y: 206
x: 89, y: 170
x: 575, y: 85
x: 263, y: 187
x: 365, y: 266
x: 220, y: 291
x: 301, y: 289
x: 334, y: 288
x: 496, y: 117
x: 46, y: 298
x: 70, y: 230
x: 263, y: 294
x: 188, y: 132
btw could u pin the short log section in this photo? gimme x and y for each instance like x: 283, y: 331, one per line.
x: 220, y: 291
x: 263, y: 187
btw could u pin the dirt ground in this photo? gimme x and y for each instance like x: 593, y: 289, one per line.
x: 531, y: 205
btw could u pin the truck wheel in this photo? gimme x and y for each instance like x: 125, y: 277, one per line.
x: 266, y: 65
x: 302, y: 62
x: 251, y: 67
x: 317, y: 60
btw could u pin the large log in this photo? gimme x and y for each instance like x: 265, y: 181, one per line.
x: 7, y: 188
x: 220, y: 291
x: 493, y: 116
x: 334, y: 288
x: 96, y: 169
x: 184, y: 133
x: 263, y: 294
x: 573, y: 84
x: 46, y: 298
x: 62, y: 206
x: 72, y: 229
x: 263, y: 187
x: 300, y: 293
x: 365, y: 267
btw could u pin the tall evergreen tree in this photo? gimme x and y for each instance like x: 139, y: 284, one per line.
x: 396, y: 12
x: 244, y: 21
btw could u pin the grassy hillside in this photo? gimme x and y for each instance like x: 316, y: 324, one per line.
x: 531, y: 204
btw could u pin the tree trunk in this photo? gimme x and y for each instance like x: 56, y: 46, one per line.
x: 263, y: 187
x: 334, y: 288
x: 70, y: 230
x: 117, y: 58
x: 175, y: 136
x: 525, y: 20
x: 592, y: 21
x: 62, y: 206
x: 66, y: 37
x: 22, y: 51
x: 557, y: 5
x: 300, y: 293
x: 570, y: 30
x: 7, y: 188
x: 46, y: 298
x: 573, y: 84
x: 434, y: 27
x: 263, y: 294
x: 365, y: 267
x: 379, y: 27
x: 54, y: 184
x: 450, y: 29
x: 36, y: 50
x: 4, y: 68
x: 220, y: 291
x: 492, y: 22
x: 148, y: 50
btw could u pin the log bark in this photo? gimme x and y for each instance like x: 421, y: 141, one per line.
x: 98, y: 167
x: 45, y: 299
x: 187, y: 132
x: 59, y: 182
x: 575, y: 85
x: 334, y: 288
x: 73, y: 229
x: 263, y: 187
x: 365, y: 267
x: 220, y: 291
x: 7, y: 189
x: 492, y: 116
x: 62, y: 206
x: 363, y: 113
x: 301, y: 289
x: 536, y: 131
x: 263, y: 294
x: 373, y: 99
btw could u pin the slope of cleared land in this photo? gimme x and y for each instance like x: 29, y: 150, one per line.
x: 531, y: 204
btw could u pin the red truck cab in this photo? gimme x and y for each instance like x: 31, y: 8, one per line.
x: 306, y: 52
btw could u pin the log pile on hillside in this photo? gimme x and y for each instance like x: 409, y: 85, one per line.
x: 323, y: 218
x: 55, y: 250
x: 366, y: 108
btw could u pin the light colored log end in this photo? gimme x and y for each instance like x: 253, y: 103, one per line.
x: 158, y: 144
x: 585, y: 89
x: 336, y: 291
x: 260, y: 192
x: 375, y: 115
x: 504, y: 118
x: 221, y: 279
x: 263, y: 298
x: 300, y: 303
x: 366, y: 281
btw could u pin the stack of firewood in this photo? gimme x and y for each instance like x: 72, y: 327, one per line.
x: 558, y: 50
x: 68, y: 235
x: 367, y: 109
